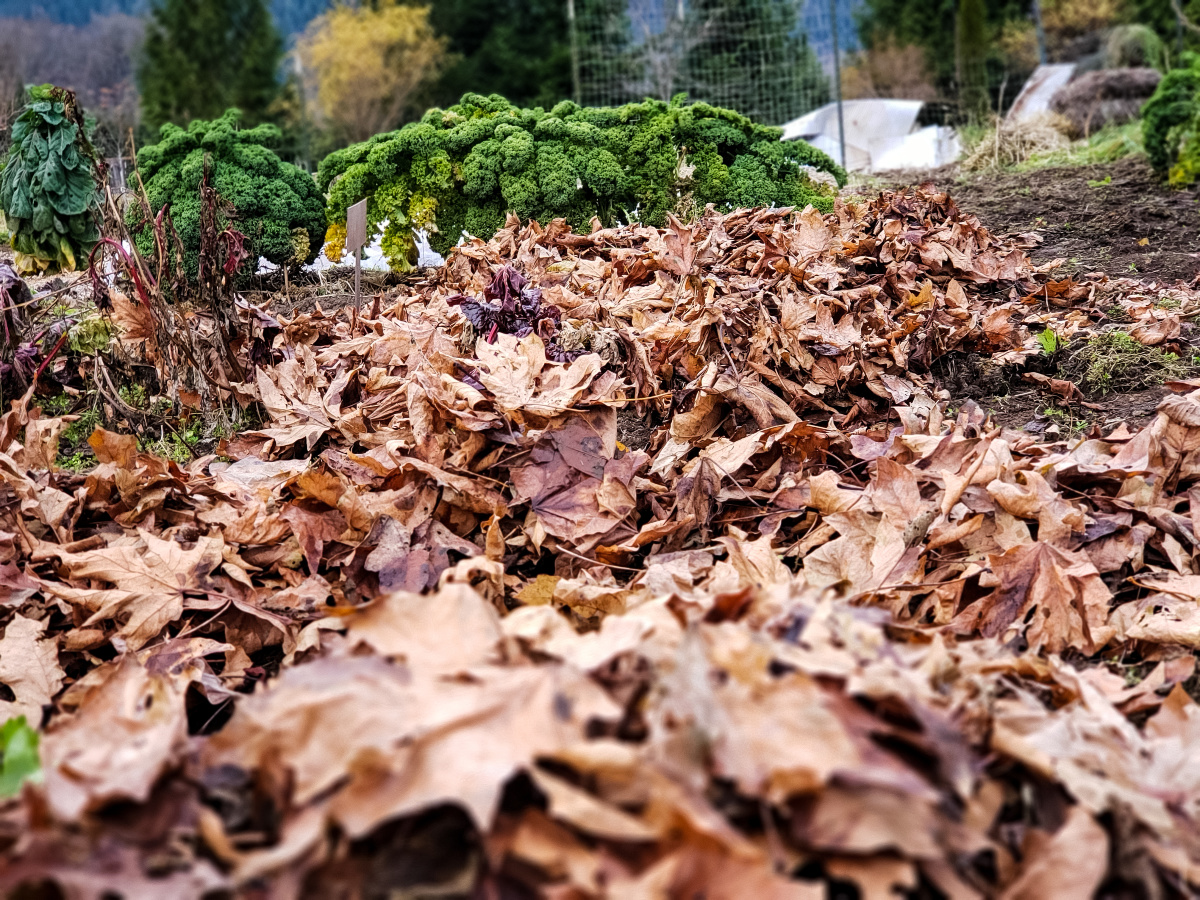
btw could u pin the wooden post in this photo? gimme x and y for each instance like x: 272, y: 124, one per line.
x: 356, y: 236
x: 837, y: 74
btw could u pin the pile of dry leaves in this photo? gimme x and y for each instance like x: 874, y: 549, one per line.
x: 640, y: 564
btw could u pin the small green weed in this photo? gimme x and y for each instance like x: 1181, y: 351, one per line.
x: 1051, y: 342
x: 176, y: 444
x: 80, y: 430
x: 57, y: 406
x: 135, y: 395
x: 19, y: 760
x: 76, y: 462
x: 187, y: 440
x: 1107, y: 179
x: 1068, y: 423
x: 74, y: 454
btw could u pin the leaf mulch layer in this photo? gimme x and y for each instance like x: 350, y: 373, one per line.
x: 438, y: 629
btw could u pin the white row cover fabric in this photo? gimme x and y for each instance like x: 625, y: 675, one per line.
x: 881, y: 134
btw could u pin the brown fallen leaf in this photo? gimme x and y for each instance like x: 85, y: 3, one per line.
x: 118, y: 745
x: 150, y: 579
x: 1069, y: 864
x: 1054, y: 597
x: 29, y: 667
x: 413, y: 628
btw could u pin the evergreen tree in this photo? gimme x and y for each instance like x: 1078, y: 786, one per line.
x: 518, y: 48
x: 752, y: 56
x: 202, y: 57
x: 971, y: 46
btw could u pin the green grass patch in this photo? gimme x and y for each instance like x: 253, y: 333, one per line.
x: 1105, y: 146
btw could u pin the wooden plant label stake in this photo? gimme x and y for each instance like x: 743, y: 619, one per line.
x: 356, y: 237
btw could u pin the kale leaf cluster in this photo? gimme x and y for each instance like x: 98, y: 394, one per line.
x: 465, y: 168
x: 50, y: 184
x: 277, y: 205
x: 1171, y: 123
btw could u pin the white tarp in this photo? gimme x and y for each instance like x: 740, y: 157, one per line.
x: 1036, y: 93
x: 880, y: 134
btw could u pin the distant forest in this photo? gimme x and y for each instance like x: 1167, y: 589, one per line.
x: 290, y: 15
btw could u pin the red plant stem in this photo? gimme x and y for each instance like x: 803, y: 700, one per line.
x: 53, y: 353
x: 130, y: 267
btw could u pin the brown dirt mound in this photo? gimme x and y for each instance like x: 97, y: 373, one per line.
x: 1104, y: 97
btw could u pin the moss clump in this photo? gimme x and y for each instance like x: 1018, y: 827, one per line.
x: 466, y: 167
x: 1113, y: 361
x: 274, y: 200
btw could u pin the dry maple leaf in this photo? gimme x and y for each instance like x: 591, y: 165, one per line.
x: 413, y: 628
x: 517, y: 373
x: 404, y: 739
x: 118, y: 744
x: 1054, y: 596
x: 29, y: 667
x: 150, y: 578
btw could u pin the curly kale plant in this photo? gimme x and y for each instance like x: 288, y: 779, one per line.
x: 465, y: 168
x: 49, y: 186
x: 1171, y: 124
x: 278, y: 207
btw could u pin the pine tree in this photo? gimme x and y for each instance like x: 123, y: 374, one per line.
x: 971, y: 47
x: 202, y: 57
x: 752, y: 56
x: 518, y: 48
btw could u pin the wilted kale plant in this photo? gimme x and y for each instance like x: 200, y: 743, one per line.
x: 50, y: 184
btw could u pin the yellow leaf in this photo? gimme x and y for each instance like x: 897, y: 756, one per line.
x: 540, y: 591
x: 923, y: 300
